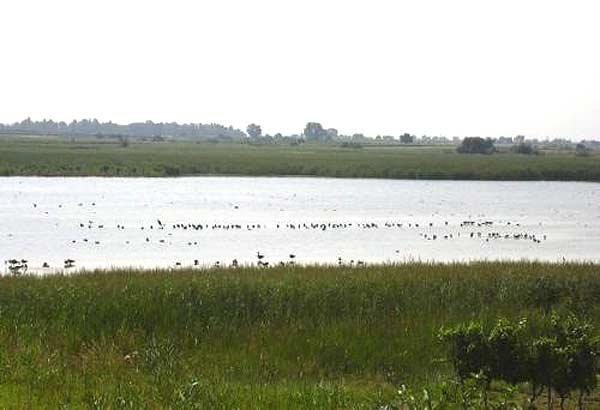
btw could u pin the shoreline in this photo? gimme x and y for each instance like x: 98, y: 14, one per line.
x: 295, y: 176
x: 333, y: 267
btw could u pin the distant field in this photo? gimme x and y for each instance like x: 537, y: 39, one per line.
x: 56, y: 157
x: 286, y: 337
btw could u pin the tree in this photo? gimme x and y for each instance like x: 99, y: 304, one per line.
x: 332, y: 133
x: 314, y: 131
x: 254, y: 130
x: 476, y: 145
x: 406, y: 138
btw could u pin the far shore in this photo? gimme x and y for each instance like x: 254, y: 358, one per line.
x: 51, y: 158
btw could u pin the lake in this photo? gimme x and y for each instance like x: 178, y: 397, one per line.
x: 168, y: 222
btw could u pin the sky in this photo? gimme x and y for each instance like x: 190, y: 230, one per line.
x: 451, y: 68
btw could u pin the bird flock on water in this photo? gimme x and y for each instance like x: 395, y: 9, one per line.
x: 164, y: 234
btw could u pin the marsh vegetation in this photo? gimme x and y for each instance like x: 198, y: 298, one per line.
x: 58, y: 157
x: 291, y: 337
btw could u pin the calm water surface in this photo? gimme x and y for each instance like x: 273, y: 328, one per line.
x: 104, y: 222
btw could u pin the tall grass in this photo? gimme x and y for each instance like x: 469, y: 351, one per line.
x: 307, y: 337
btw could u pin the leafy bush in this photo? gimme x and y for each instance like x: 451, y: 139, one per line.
x: 476, y: 145
x: 563, y: 359
x: 524, y: 148
x: 581, y: 150
x: 508, y: 352
x: 171, y: 171
x: 356, y: 145
x: 468, y: 350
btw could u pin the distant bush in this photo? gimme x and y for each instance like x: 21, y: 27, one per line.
x: 171, y: 171
x: 355, y: 145
x: 581, y: 150
x: 476, y: 145
x: 123, y: 141
x: 524, y: 148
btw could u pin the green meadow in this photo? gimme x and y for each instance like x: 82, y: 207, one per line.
x: 287, y: 337
x: 90, y: 157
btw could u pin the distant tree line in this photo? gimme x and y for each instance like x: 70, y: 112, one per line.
x: 312, y: 132
x: 149, y: 129
x: 315, y: 132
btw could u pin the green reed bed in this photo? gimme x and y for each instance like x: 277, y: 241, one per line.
x: 58, y: 157
x: 299, y: 337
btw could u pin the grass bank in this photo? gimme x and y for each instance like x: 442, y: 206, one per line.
x: 56, y: 157
x: 286, y: 337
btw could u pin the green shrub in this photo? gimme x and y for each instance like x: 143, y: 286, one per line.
x: 476, y: 145
x: 563, y: 359
x: 508, y: 351
x: 469, y: 350
x: 524, y: 148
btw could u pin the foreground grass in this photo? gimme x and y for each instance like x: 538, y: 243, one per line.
x: 289, y: 337
x: 52, y: 157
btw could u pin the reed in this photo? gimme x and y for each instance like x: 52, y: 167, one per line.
x: 297, y: 337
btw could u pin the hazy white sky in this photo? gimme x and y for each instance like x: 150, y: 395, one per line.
x: 456, y: 67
